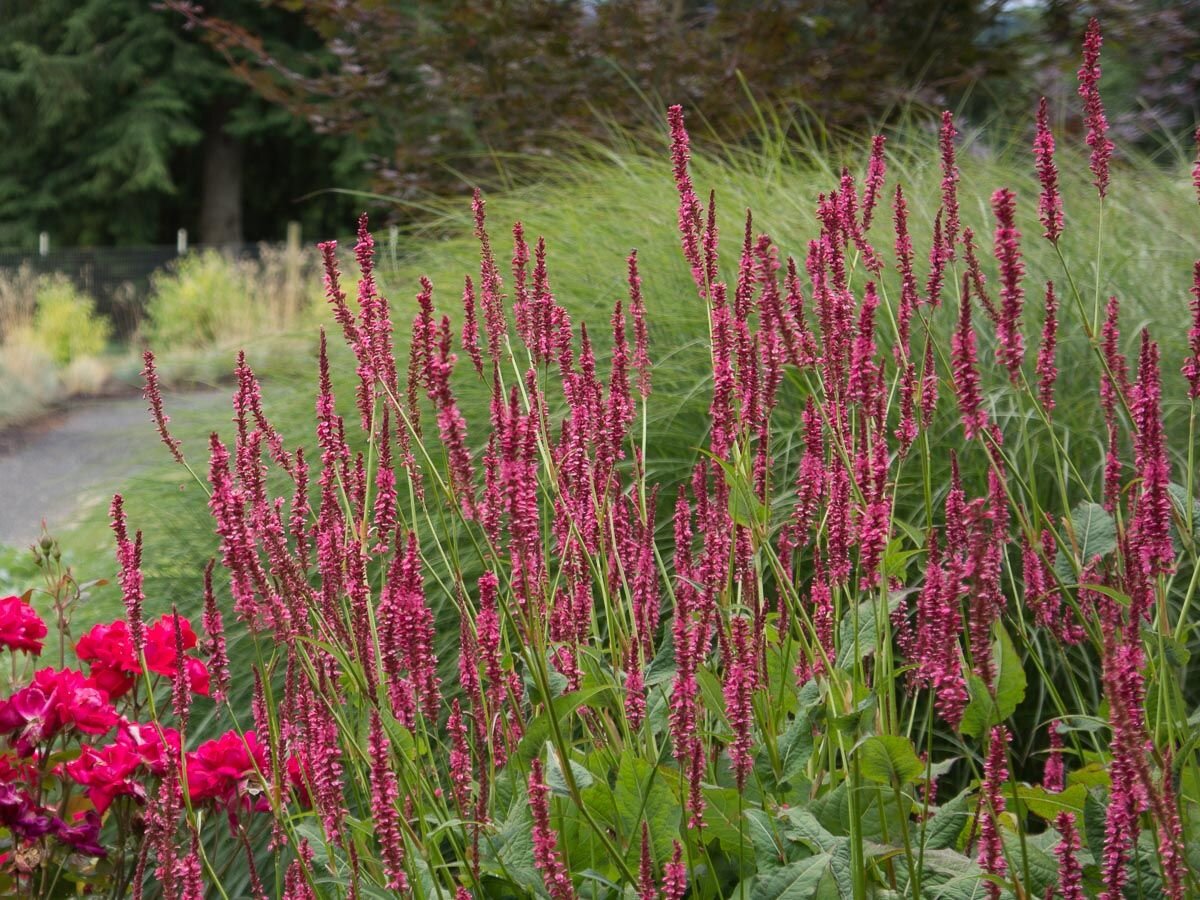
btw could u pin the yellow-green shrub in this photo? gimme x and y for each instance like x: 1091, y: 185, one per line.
x: 208, y: 298
x: 66, y: 323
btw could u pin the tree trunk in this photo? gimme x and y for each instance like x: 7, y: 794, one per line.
x: 221, y: 202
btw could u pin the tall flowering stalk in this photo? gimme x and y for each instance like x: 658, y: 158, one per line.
x: 1011, y: 351
x: 1094, y: 118
x: 1050, y: 206
x: 545, y: 841
x: 992, y: 807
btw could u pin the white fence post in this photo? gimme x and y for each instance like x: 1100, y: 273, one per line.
x: 181, y: 241
x: 44, y: 244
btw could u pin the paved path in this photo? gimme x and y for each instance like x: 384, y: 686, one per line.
x: 59, y: 468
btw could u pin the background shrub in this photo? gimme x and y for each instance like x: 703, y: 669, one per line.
x: 66, y: 323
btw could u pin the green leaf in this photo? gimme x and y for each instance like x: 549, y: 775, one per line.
x: 867, y: 637
x: 795, y: 881
x: 643, y: 793
x: 764, y: 835
x: 723, y: 819
x: 796, y: 745
x: 984, y: 711
x: 662, y: 667
x: 1180, y: 498
x: 1095, y: 812
x: 512, y: 849
x: 1095, y: 535
x: 556, y: 780
x: 947, y: 823
x: 804, y: 828
x: 1093, y: 774
x: 1048, y: 804
x: 889, y: 759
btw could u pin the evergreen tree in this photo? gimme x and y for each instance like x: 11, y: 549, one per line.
x: 118, y: 126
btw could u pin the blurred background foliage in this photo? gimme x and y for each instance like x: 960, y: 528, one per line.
x: 123, y: 120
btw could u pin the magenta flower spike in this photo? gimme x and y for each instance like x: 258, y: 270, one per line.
x: 1011, y: 351
x: 1050, y: 208
x: 950, y: 179
x: 1094, y: 118
x: 965, y: 365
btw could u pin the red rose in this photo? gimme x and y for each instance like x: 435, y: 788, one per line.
x: 20, y: 627
x: 229, y: 770
x: 109, y: 650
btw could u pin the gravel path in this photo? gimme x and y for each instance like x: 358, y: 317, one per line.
x: 62, y: 466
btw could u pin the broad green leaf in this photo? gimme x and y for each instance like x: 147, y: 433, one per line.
x: 889, y: 759
x: 1095, y: 812
x: 1095, y: 535
x: 764, y: 833
x: 1091, y: 775
x: 838, y: 881
x: 984, y: 711
x: 878, y: 813
x: 511, y: 850
x: 662, y: 668
x: 557, y: 781
x: 1048, y: 804
x: 781, y: 664
x: 644, y: 794
x: 946, y: 825
x: 723, y: 808
x: 803, y: 827
x: 795, y: 746
x: 712, y: 694
x: 1180, y: 498
x: 795, y: 881
x: 867, y: 638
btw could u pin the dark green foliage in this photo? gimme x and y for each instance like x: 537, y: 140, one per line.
x: 104, y: 109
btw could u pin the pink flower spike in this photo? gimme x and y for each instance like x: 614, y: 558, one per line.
x: 1196, y: 166
x: 1050, y: 209
x: 950, y: 177
x: 991, y: 808
x: 690, y: 214
x: 385, y: 791
x: 1151, y: 529
x: 675, y: 876
x: 545, y: 841
x: 1047, y: 370
x: 1093, y: 107
x: 966, y: 370
x: 1191, y: 366
x: 637, y: 309
x: 218, y: 658
x: 1052, y: 775
x: 1011, y: 351
x: 876, y: 171
x: 470, y: 328
x: 129, y: 558
x: 647, y: 889
x: 153, y: 394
